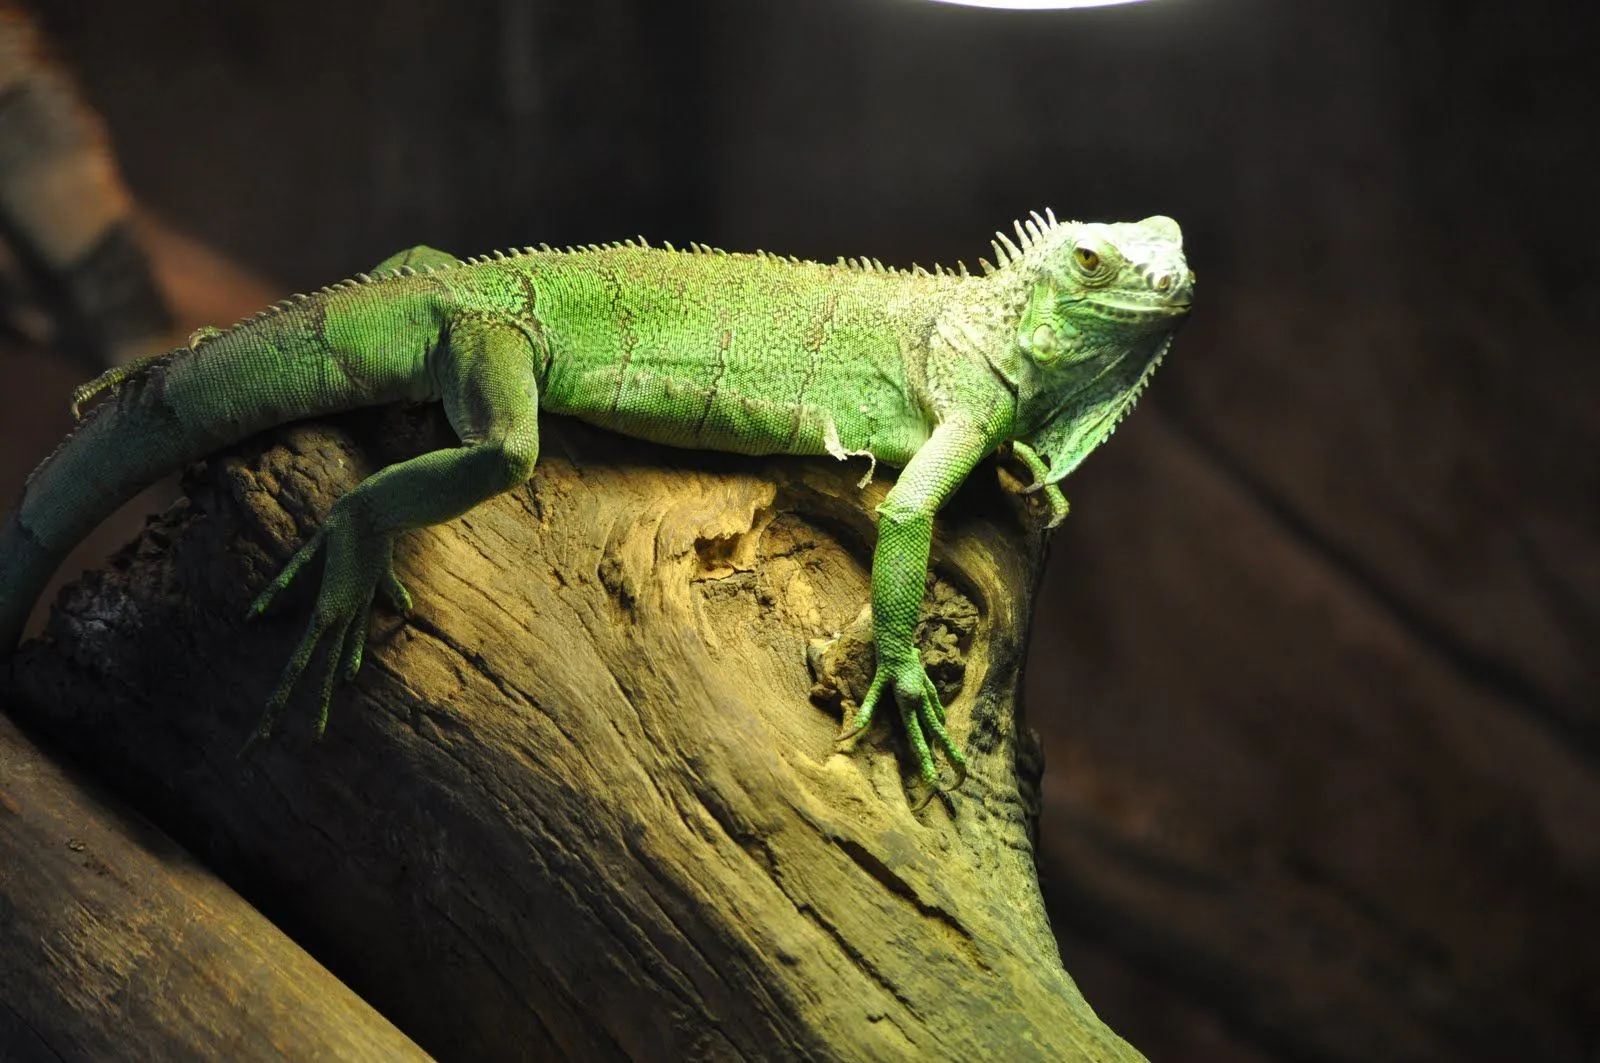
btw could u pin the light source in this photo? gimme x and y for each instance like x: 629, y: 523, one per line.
x: 1035, y: 5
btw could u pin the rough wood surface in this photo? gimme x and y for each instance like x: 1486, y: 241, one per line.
x: 582, y: 802
x: 116, y: 944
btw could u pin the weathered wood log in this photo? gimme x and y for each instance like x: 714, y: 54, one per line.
x: 116, y: 944
x: 582, y: 802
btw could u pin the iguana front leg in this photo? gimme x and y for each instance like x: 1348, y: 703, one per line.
x: 899, y: 570
x: 485, y: 370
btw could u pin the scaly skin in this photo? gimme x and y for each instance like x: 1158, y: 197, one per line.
x: 748, y: 353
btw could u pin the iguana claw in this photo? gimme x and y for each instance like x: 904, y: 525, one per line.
x: 920, y: 711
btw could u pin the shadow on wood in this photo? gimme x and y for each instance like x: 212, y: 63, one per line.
x: 581, y: 803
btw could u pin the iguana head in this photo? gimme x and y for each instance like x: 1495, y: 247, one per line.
x: 1101, y: 305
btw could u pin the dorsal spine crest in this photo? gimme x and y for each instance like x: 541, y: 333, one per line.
x: 1029, y: 232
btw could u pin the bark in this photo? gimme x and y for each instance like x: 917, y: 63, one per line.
x: 116, y: 944
x: 583, y: 801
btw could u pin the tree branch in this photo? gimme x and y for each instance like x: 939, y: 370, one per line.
x: 581, y: 802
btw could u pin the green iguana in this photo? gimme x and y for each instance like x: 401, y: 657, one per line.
x: 752, y: 353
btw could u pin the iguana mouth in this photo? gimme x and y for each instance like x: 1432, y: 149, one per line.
x: 1151, y: 311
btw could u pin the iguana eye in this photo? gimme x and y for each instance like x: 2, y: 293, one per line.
x: 1088, y: 260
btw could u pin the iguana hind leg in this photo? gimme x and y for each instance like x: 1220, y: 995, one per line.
x: 486, y: 372
x: 419, y: 258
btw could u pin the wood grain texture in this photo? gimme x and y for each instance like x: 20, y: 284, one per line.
x: 116, y: 944
x: 582, y: 803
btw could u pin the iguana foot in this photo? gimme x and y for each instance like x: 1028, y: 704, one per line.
x: 1055, y: 501
x: 920, y: 712
x: 357, y: 564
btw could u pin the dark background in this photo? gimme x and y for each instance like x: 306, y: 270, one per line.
x: 1315, y: 660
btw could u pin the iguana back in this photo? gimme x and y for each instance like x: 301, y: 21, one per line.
x: 748, y: 353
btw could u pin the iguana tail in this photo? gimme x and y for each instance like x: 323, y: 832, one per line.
x: 162, y: 413
x: 28, y: 566
x: 123, y: 446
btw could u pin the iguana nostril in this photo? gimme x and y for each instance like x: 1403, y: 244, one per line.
x: 1163, y: 282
